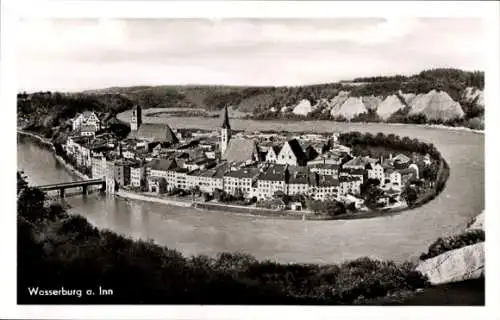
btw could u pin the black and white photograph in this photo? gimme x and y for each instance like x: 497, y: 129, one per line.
x: 259, y: 160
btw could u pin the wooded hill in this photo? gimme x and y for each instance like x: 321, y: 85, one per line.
x: 444, y: 87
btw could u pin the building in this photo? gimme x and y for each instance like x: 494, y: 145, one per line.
x: 292, y: 154
x: 136, y: 120
x: 87, y: 118
x: 325, y: 169
x: 323, y: 187
x: 349, y: 185
x: 273, y: 180
x: 393, y: 178
x: 242, y: 179
x: 122, y: 172
x: 137, y: 175
x: 375, y: 171
x: 272, y: 154
x: 241, y: 150
x: 208, y: 180
x: 225, y: 132
x: 87, y: 130
x: 98, y: 167
x: 298, y: 183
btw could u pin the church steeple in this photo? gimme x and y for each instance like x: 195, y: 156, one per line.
x: 136, y: 121
x: 225, y: 122
x: 225, y: 132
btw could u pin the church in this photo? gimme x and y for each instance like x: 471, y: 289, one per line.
x: 150, y: 132
x: 238, y: 149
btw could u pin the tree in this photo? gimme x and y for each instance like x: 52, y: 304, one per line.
x: 162, y: 185
x: 410, y: 195
x: 372, y: 196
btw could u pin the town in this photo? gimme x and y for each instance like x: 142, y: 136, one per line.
x: 275, y: 171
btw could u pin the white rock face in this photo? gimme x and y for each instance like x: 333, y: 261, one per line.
x: 371, y: 102
x: 350, y: 108
x: 408, y: 97
x: 453, y: 266
x: 337, y: 101
x: 390, y: 105
x: 303, y: 107
x: 471, y: 93
x: 478, y: 222
x: 436, y: 105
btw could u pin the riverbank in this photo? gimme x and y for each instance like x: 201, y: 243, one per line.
x: 50, y: 145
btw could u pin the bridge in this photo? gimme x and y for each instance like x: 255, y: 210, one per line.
x: 84, y: 184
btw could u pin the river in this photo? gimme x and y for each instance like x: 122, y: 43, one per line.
x: 193, y: 231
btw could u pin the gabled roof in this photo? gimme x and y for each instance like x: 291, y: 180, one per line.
x: 241, y: 150
x: 297, y: 150
x: 162, y: 164
x: 155, y: 132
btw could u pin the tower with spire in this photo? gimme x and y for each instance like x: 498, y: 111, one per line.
x: 225, y: 132
x: 136, y: 121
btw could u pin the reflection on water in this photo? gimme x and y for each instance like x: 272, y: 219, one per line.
x: 195, y: 231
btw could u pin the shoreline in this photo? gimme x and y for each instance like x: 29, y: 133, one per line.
x: 49, y: 144
x: 237, y: 209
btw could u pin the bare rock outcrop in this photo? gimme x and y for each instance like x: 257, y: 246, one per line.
x: 478, y: 222
x: 390, y: 105
x: 337, y: 101
x: 436, y: 105
x: 350, y: 108
x: 303, y: 108
x: 456, y: 265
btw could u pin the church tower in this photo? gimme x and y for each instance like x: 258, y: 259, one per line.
x: 225, y: 132
x: 136, y: 121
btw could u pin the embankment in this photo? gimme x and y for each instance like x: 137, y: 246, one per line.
x: 48, y: 144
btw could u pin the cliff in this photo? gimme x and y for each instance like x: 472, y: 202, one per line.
x: 457, y: 265
x: 436, y: 105
x: 350, y: 108
x: 390, y: 105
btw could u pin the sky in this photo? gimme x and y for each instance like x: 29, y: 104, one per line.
x: 79, y: 54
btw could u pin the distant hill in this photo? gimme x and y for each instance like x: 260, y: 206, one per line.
x: 447, y: 96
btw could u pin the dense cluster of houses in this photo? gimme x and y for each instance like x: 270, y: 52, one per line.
x: 157, y: 159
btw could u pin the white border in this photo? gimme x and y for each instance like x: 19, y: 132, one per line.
x: 155, y: 9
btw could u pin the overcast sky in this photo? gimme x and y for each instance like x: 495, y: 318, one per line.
x: 86, y: 54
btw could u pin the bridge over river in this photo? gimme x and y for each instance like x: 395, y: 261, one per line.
x: 83, y: 186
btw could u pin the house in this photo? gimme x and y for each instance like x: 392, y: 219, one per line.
x: 87, y: 130
x: 86, y: 118
x: 272, y: 154
x: 323, y: 187
x: 156, y: 184
x: 296, y: 206
x: 298, y: 183
x: 273, y: 180
x: 207, y: 180
x: 292, y: 154
x: 375, y: 171
x: 137, y: 175
x: 324, y: 169
x: 393, y: 178
x: 98, y: 167
x: 242, y: 179
x: 349, y: 185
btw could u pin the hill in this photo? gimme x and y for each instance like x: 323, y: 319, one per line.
x: 442, y: 96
